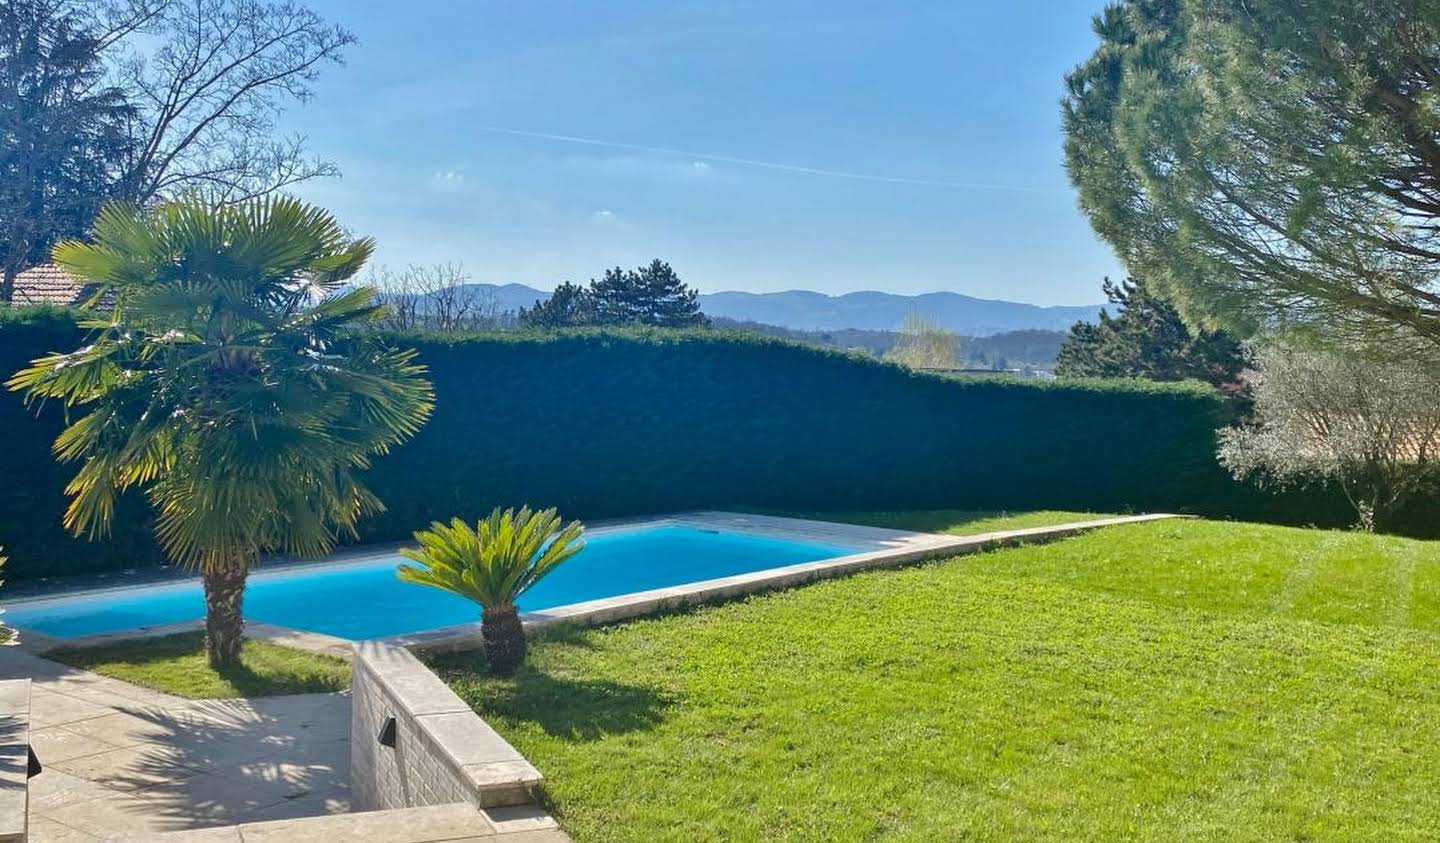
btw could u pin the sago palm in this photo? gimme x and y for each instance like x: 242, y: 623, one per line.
x: 493, y: 563
x: 231, y: 384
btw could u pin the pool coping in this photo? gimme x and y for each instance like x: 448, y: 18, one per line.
x: 888, y: 548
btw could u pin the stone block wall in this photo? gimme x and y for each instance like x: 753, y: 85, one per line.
x: 443, y: 752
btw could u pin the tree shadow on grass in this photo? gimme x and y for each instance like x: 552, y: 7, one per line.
x: 567, y: 634
x: 573, y: 709
x: 249, y: 683
x: 176, y: 664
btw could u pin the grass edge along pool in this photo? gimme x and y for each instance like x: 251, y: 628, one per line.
x: 362, y: 599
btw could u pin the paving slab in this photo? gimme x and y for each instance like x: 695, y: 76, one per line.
x: 126, y: 761
x: 56, y: 743
x: 405, y: 825
x: 42, y: 828
x: 127, y: 768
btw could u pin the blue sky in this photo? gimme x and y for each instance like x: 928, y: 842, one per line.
x: 916, y: 145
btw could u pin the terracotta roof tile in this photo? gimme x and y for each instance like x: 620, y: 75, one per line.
x: 49, y: 284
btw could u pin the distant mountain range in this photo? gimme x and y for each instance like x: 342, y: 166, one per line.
x: 885, y: 311
x: 811, y: 311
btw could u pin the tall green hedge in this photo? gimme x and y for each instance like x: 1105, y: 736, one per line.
x: 607, y: 424
x: 32, y: 486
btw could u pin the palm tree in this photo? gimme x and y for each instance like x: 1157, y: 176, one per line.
x: 493, y: 563
x: 230, y: 383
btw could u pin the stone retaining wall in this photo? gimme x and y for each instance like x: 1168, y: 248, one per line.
x: 443, y: 752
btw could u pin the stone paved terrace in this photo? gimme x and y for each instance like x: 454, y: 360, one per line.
x: 126, y: 763
x: 119, y: 759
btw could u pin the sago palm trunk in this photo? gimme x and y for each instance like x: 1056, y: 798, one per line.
x: 504, y: 638
x: 224, y: 593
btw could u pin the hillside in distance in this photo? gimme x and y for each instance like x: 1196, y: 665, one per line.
x: 873, y: 311
x: 1028, y: 348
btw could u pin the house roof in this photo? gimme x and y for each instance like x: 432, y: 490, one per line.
x: 47, y: 283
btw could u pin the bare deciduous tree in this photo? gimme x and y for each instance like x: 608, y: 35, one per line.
x: 208, y: 79
x: 137, y: 100
x: 439, y: 298
x: 1370, y: 425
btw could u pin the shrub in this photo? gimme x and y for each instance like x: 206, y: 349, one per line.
x: 492, y: 564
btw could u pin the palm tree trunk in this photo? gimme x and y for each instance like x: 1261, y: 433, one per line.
x: 504, y: 638
x: 224, y: 592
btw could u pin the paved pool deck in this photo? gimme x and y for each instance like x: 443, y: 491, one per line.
x: 120, y: 760
x: 124, y: 763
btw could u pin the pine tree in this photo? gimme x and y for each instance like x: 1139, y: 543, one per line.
x: 63, y: 129
x: 1264, y: 163
x: 569, y: 306
x: 1146, y: 338
x: 648, y: 295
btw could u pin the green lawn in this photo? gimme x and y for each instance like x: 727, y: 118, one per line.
x: 1183, y: 680
x: 176, y: 665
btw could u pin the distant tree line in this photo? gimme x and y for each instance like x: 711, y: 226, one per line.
x: 439, y: 298
x: 444, y: 299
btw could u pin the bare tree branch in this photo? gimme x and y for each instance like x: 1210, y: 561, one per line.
x: 210, y: 94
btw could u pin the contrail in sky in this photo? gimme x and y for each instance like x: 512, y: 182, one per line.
x: 769, y: 165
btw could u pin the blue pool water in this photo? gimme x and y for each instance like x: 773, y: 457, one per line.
x: 366, y: 600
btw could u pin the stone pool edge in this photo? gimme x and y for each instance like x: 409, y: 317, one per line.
x: 39, y: 644
x: 896, y: 548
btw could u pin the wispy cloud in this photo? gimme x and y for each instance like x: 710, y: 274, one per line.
x: 448, y: 180
x: 700, y: 159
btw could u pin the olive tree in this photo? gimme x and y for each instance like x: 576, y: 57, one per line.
x: 1368, y: 424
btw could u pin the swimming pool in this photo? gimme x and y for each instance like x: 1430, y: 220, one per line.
x: 364, y: 599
